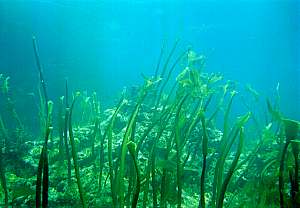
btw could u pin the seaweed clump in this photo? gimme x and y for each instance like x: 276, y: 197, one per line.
x: 178, y: 142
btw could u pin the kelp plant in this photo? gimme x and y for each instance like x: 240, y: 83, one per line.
x: 175, y: 141
x: 42, y: 180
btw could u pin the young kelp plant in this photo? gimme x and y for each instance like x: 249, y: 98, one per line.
x: 129, y: 131
x: 43, y: 166
x: 204, y: 155
x: 4, y: 138
x: 178, y: 128
x: 291, y: 129
x: 74, y: 155
x: 231, y: 170
x: 66, y: 130
x: 40, y: 71
x: 291, y: 134
x: 60, y: 122
x: 132, y: 150
x: 97, y: 130
x: 109, y: 134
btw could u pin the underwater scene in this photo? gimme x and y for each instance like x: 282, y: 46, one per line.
x: 150, y: 103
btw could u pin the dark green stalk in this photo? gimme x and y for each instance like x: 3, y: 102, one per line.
x: 291, y: 132
x: 226, y: 120
x: 97, y: 130
x: 40, y: 69
x: 164, y: 84
x: 101, y: 161
x: 45, y: 156
x: 132, y: 150
x: 154, y: 185
x: 109, y: 131
x: 45, y: 178
x: 169, y: 95
x: 155, y: 121
x: 132, y: 173
x: 235, y: 133
x: 192, y: 126
x: 66, y: 129
x: 75, y: 160
x: 146, y: 186
x: 4, y: 134
x: 66, y: 93
x: 164, y: 71
x: 38, y: 189
x: 281, y: 170
x: 67, y: 143
x: 131, y: 179
x: 145, y: 134
x: 61, y: 128
x: 43, y: 166
x: 152, y: 155
x: 293, y: 188
x: 204, y: 154
x: 218, y: 176
x: 178, y: 150
x: 43, y: 175
x: 94, y: 135
x: 127, y: 135
x: 3, y: 180
x: 152, y: 164
x: 225, y: 148
x: 295, y: 185
x: 231, y: 169
x: 164, y: 185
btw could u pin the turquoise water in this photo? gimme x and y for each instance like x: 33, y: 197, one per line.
x: 102, y: 47
x: 105, y: 45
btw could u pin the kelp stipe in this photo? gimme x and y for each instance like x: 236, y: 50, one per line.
x: 128, y: 132
x: 40, y: 71
x: 66, y: 130
x: 60, y: 122
x: 109, y: 134
x: 4, y: 134
x: 132, y: 150
x: 96, y: 122
x: 166, y: 80
x: 151, y: 167
x: 178, y: 151
x: 162, y: 74
x: 231, y: 170
x: 43, y: 167
x: 218, y: 175
x: 204, y: 155
x: 291, y: 133
x: 42, y: 184
x: 74, y: 155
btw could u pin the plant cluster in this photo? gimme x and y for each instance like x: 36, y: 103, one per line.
x: 174, y: 144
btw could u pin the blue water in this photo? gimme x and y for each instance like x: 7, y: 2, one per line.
x: 106, y: 45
